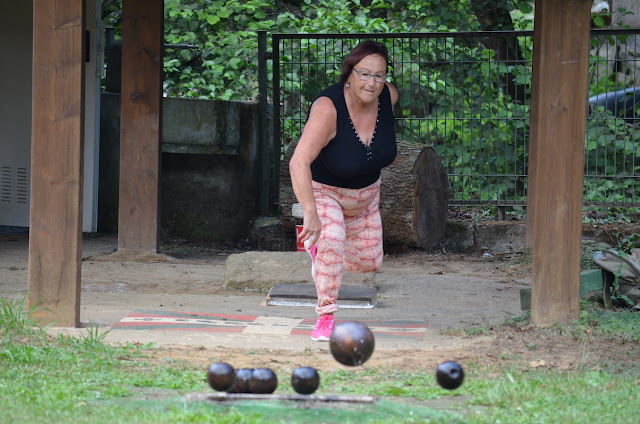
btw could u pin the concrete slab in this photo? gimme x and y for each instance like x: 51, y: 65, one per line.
x: 439, y: 290
x: 305, y: 295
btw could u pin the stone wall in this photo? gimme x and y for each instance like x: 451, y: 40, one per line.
x: 210, y: 172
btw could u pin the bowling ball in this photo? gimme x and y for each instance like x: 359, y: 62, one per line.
x: 449, y: 375
x: 241, y: 383
x: 351, y: 343
x: 221, y: 376
x: 305, y: 380
x: 263, y: 381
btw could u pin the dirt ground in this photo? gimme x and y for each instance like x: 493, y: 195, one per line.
x: 463, y: 297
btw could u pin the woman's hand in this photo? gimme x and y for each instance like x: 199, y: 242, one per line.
x: 311, y: 230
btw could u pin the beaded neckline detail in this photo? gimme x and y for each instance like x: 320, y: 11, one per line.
x: 367, y: 149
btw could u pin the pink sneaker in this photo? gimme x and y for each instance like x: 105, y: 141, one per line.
x: 324, y: 328
x: 313, y: 251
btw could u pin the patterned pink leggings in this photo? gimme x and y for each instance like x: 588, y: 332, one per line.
x: 351, y: 238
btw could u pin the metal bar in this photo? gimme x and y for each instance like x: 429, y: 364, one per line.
x: 277, y: 138
x: 432, y: 35
x: 263, y: 150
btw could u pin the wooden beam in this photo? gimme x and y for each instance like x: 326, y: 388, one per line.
x: 533, y: 119
x: 140, y: 125
x: 55, y: 228
x: 561, y: 43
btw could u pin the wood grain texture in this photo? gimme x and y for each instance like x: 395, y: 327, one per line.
x: 558, y: 125
x: 533, y: 120
x: 414, y: 198
x: 55, y: 233
x: 140, y: 125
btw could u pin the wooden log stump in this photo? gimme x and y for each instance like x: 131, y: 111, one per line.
x: 414, y: 198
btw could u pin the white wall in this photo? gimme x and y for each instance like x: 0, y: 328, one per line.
x: 15, y: 111
x: 16, y: 51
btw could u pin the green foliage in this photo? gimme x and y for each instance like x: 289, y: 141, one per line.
x: 225, y: 64
x: 611, y: 167
x: 452, y: 90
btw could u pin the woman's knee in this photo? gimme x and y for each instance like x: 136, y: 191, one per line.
x: 364, y: 264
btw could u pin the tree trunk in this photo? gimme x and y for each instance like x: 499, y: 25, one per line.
x: 414, y: 198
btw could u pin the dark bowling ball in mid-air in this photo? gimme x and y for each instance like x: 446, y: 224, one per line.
x: 241, y: 383
x: 449, y: 375
x: 305, y: 380
x: 263, y: 381
x: 351, y: 343
x: 221, y: 376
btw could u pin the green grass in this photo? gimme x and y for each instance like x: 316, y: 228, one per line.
x: 46, y: 379
x: 557, y: 397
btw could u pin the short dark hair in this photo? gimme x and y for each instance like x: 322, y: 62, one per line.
x: 363, y: 49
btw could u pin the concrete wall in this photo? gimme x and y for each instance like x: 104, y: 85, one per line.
x: 210, y: 168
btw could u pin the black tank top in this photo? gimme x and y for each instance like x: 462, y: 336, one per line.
x: 346, y: 162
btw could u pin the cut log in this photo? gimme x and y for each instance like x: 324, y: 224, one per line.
x: 414, y: 198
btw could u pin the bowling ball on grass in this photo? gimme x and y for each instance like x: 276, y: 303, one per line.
x: 221, y: 376
x: 351, y: 343
x: 305, y: 380
x: 241, y: 383
x: 449, y: 375
x: 263, y: 381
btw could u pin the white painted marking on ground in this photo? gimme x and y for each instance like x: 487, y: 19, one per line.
x: 271, y: 325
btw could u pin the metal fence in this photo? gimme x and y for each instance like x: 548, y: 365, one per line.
x: 467, y: 95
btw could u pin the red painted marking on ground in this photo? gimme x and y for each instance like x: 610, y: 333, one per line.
x: 209, y: 329
x: 372, y: 323
x: 300, y: 332
x: 144, y: 324
x: 189, y: 321
x: 392, y: 333
x: 236, y: 317
x: 190, y: 315
x: 170, y: 326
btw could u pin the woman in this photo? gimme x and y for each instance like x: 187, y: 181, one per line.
x: 335, y: 173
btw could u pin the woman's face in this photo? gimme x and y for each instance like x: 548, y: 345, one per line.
x: 368, y: 91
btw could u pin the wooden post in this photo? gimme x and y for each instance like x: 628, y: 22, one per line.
x: 140, y: 125
x: 55, y: 227
x: 561, y: 42
x: 533, y: 119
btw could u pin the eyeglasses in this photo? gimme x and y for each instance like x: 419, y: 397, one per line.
x: 365, y: 75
